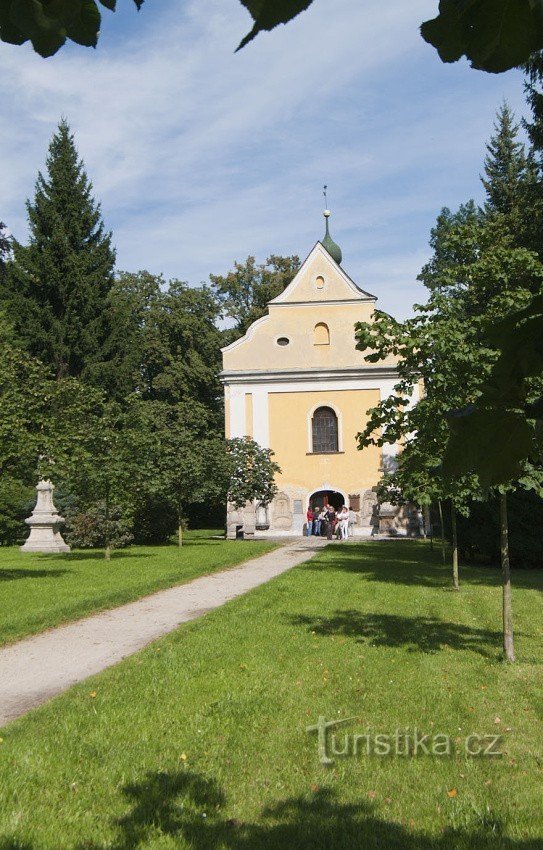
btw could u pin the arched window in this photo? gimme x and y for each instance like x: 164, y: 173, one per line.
x: 321, y: 334
x: 325, y: 431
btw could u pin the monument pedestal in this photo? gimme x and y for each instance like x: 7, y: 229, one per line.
x: 44, y: 524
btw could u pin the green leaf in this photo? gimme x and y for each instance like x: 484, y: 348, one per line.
x: 85, y: 24
x: 48, y: 23
x: 46, y: 33
x: 267, y: 14
x: 9, y: 31
x: 494, y: 35
x: 446, y: 32
x: 492, y: 443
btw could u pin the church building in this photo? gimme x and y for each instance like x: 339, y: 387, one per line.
x: 296, y: 383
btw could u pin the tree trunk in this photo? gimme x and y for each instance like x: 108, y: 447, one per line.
x: 456, y: 584
x: 443, y: 553
x: 107, y: 548
x: 428, y: 530
x: 508, y: 646
x: 179, y: 526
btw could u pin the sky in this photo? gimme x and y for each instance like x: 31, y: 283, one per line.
x: 201, y: 156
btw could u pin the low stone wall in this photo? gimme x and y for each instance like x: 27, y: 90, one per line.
x: 286, y: 517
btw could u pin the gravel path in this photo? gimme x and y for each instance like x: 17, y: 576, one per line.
x: 37, y: 668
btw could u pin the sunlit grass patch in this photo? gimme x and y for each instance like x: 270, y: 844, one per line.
x: 40, y: 591
x: 200, y: 740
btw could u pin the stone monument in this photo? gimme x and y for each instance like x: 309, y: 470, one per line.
x: 282, y: 515
x: 44, y: 524
x: 387, y: 519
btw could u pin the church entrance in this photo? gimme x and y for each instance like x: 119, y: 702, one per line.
x: 323, y: 498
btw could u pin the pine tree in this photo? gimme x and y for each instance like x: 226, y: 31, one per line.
x: 505, y: 167
x: 57, y: 285
x: 533, y: 89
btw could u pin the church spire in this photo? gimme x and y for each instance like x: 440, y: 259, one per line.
x: 333, y: 249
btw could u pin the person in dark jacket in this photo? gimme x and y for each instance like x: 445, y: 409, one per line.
x: 330, y: 522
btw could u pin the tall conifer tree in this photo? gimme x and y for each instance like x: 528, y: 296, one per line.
x: 533, y: 89
x: 57, y: 285
x: 505, y: 166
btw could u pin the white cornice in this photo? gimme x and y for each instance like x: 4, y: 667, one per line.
x: 336, y: 303
x: 278, y: 376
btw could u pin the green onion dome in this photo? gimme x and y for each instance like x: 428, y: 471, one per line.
x: 328, y: 243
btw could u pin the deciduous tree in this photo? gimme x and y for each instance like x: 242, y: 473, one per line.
x: 183, y: 456
x: 244, y: 292
x: 251, y: 472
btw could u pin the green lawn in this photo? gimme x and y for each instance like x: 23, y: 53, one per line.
x: 39, y: 591
x: 200, y: 740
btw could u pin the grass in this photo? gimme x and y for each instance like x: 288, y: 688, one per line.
x: 40, y: 591
x: 200, y: 740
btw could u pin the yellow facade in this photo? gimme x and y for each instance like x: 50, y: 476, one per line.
x: 298, y: 359
x: 292, y: 445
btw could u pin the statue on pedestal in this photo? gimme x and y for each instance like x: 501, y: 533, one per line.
x: 44, y: 524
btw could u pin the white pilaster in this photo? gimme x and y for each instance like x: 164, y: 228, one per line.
x: 238, y: 426
x: 261, y: 420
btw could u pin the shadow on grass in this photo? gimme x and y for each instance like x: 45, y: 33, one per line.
x: 421, y: 634
x: 201, y: 541
x: 412, y: 563
x: 186, y: 807
x: 13, y: 575
x: 121, y: 554
x: 97, y: 555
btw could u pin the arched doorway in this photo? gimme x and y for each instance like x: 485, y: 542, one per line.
x: 322, y: 498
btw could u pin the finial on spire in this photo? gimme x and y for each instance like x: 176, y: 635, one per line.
x: 328, y: 243
x: 327, y: 212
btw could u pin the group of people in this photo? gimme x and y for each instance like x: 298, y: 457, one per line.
x: 329, y: 523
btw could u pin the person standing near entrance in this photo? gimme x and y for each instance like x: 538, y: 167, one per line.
x: 343, y: 519
x: 309, y: 515
x: 330, y: 522
x: 352, y: 522
x: 317, y: 521
x: 322, y: 523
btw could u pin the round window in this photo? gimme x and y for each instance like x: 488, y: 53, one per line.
x: 283, y: 340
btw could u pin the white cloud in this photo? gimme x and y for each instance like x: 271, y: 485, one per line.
x: 200, y: 156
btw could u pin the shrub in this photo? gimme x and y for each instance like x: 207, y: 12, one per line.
x: 16, y: 503
x: 93, y: 527
x: 154, y: 521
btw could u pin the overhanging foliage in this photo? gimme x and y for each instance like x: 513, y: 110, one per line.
x: 494, y: 35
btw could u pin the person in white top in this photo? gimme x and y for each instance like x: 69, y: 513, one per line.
x: 343, y: 518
